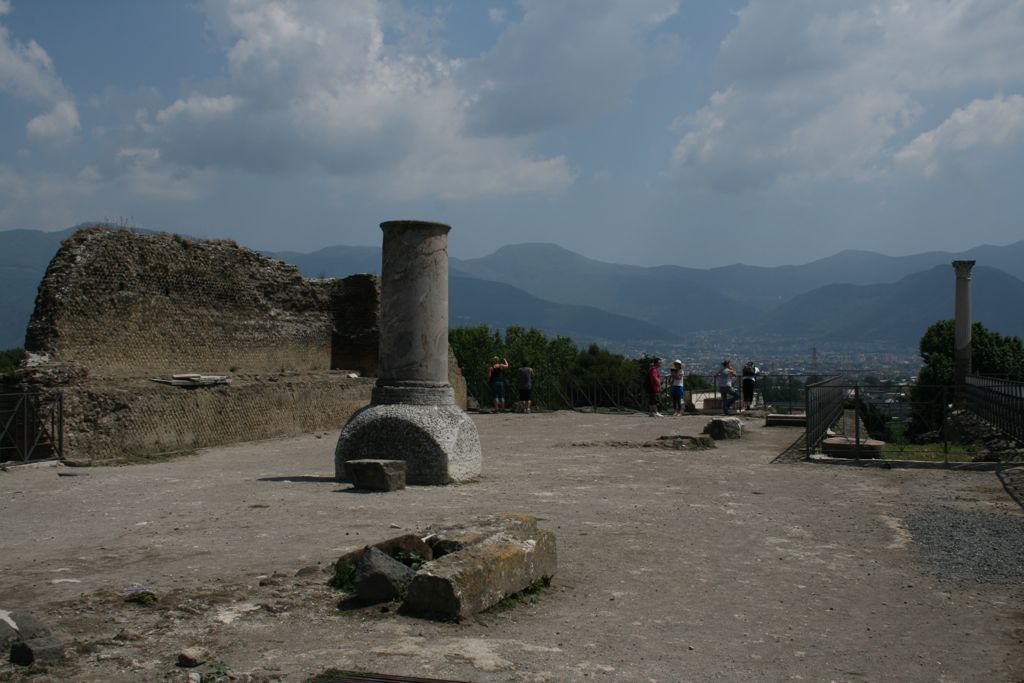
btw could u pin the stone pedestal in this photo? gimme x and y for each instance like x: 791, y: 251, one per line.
x: 412, y: 415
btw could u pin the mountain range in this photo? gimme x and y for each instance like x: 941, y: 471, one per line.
x: 851, y: 296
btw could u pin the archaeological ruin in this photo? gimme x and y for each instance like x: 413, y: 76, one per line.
x: 118, y: 309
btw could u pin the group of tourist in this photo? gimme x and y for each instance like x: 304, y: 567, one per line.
x: 498, y: 369
x: 723, y: 383
x: 496, y: 373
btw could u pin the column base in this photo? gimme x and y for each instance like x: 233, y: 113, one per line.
x: 439, y: 443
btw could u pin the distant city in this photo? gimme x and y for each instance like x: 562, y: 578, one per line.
x: 703, y: 353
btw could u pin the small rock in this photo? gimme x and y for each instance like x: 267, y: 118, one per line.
x: 380, y: 577
x: 192, y: 656
x: 195, y: 677
x: 308, y: 571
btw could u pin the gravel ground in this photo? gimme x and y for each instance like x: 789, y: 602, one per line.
x: 674, y: 565
x: 965, y: 545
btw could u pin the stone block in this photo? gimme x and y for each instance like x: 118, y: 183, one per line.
x: 777, y: 420
x: 380, y: 578
x: 399, y: 547
x: 721, y: 428
x: 376, y: 475
x: 846, y: 447
x: 714, y: 404
x: 40, y: 649
x: 500, y: 556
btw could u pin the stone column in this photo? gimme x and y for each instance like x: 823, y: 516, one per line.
x: 414, y: 315
x: 962, y: 333
x: 412, y: 415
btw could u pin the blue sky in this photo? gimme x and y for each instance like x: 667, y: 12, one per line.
x: 700, y: 133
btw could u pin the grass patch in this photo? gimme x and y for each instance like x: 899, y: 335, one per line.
x: 930, y: 452
x: 528, y: 596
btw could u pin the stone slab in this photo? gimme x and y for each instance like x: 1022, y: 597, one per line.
x: 779, y: 420
x: 847, y: 447
x: 500, y: 557
x: 376, y: 475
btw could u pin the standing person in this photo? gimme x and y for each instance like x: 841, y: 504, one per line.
x: 525, y: 387
x: 678, y: 391
x: 749, y: 374
x: 496, y: 380
x: 654, y: 387
x: 723, y: 379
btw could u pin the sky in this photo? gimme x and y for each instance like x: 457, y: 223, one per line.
x: 689, y: 132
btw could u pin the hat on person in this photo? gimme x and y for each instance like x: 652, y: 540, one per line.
x: 677, y: 362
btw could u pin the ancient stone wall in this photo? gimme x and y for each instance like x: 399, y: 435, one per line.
x: 117, y: 308
x: 124, y: 304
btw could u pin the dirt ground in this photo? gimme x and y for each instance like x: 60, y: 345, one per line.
x: 673, y: 565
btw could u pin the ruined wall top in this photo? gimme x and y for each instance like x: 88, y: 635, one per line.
x: 122, y: 303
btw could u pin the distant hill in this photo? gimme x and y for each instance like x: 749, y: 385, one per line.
x: 333, y: 261
x: 664, y: 300
x: 898, y: 312
x: 678, y: 299
x: 479, y: 302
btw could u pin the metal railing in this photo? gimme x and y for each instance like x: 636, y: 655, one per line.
x: 823, y: 407
x: 999, y: 402
x: 31, y: 427
x: 571, y: 393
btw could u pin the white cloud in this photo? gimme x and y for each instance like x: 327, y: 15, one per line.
x: 983, y: 126
x: 27, y: 72
x: 199, y: 108
x: 496, y: 15
x: 831, y: 91
x: 564, y: 62
x: 57, y: 126
x: 312, y: 86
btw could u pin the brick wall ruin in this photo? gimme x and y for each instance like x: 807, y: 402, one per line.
x: 117, y: 308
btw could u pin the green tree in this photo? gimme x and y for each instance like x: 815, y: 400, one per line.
x: 991, y: 354
x: 10, y: 359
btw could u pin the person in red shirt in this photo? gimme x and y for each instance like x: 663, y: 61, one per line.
x: 654, y: 388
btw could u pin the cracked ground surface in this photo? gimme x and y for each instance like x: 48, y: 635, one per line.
x: 674, y: 565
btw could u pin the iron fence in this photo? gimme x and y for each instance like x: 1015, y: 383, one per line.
x: 998, y: 401
x: 31, y: 427
x: 823, y: 406
x: 782, y: 392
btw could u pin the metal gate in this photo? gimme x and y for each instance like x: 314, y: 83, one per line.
x: 31, y: 427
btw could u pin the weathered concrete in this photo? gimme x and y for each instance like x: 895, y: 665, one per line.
x: 412, y: 415
x: 724, y: 428
x: 499, y: 556
x: 376, y: 475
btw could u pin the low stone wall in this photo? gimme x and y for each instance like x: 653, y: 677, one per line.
x: 105, y: 421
